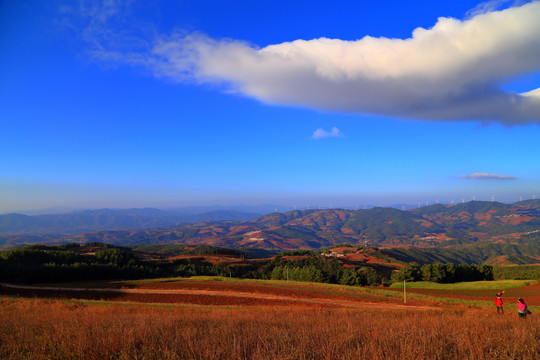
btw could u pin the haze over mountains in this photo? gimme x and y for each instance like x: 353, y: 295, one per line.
x: 436, y: 225
x: 186, y: 210
x: 108, y: 219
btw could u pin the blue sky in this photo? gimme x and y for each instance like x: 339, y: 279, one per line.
x: 180, y: 103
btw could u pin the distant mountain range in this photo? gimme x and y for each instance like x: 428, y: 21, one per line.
x: 186, y: 210
x: 437, y: 225
x: 108, y: 219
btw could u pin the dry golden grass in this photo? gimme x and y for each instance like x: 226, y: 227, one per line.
x: 42, y: 329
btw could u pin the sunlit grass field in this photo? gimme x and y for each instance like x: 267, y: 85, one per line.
x: 473, y: 285
x: 376, y: 293
x: 447, y: 328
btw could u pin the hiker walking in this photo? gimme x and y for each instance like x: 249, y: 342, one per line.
x: 499, y: 302
x: 522, y: 308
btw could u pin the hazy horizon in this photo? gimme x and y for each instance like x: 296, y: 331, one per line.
x: 261, y: 207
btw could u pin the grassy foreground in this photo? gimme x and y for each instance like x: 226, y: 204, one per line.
x: 76, y: 329
x: 39, y: 329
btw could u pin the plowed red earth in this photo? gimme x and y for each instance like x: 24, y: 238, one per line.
x: 211, y: 293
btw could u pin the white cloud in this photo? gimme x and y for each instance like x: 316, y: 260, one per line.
x: 321, y: 134
x: 452, y: 71
x: 486, y: 176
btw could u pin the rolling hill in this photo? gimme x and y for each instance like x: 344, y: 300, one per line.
x: 432, y: 226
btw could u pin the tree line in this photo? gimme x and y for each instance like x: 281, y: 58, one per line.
x: 39, y: 263
x: 445, y: 273
x: 35, y: 264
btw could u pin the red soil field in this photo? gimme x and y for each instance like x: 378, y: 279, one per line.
x: 216, y: 293
x: 213, y: 259
x: 516, y: 220
x: 363, y: 258
x: 225, y: 293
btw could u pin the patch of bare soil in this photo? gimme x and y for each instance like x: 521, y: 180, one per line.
x: 213, y: 259
x: 209, y: 293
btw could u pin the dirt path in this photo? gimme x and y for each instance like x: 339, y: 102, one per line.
x: 186, y: 296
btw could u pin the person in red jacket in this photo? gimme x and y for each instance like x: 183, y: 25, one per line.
x: 499, y: 302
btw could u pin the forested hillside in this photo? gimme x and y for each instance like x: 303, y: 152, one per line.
x: 347, y: 265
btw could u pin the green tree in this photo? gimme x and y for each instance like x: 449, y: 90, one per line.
x: 352, y: 278
x: 117, y: 257
x: 407, y: 274
x: 373, y: 278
